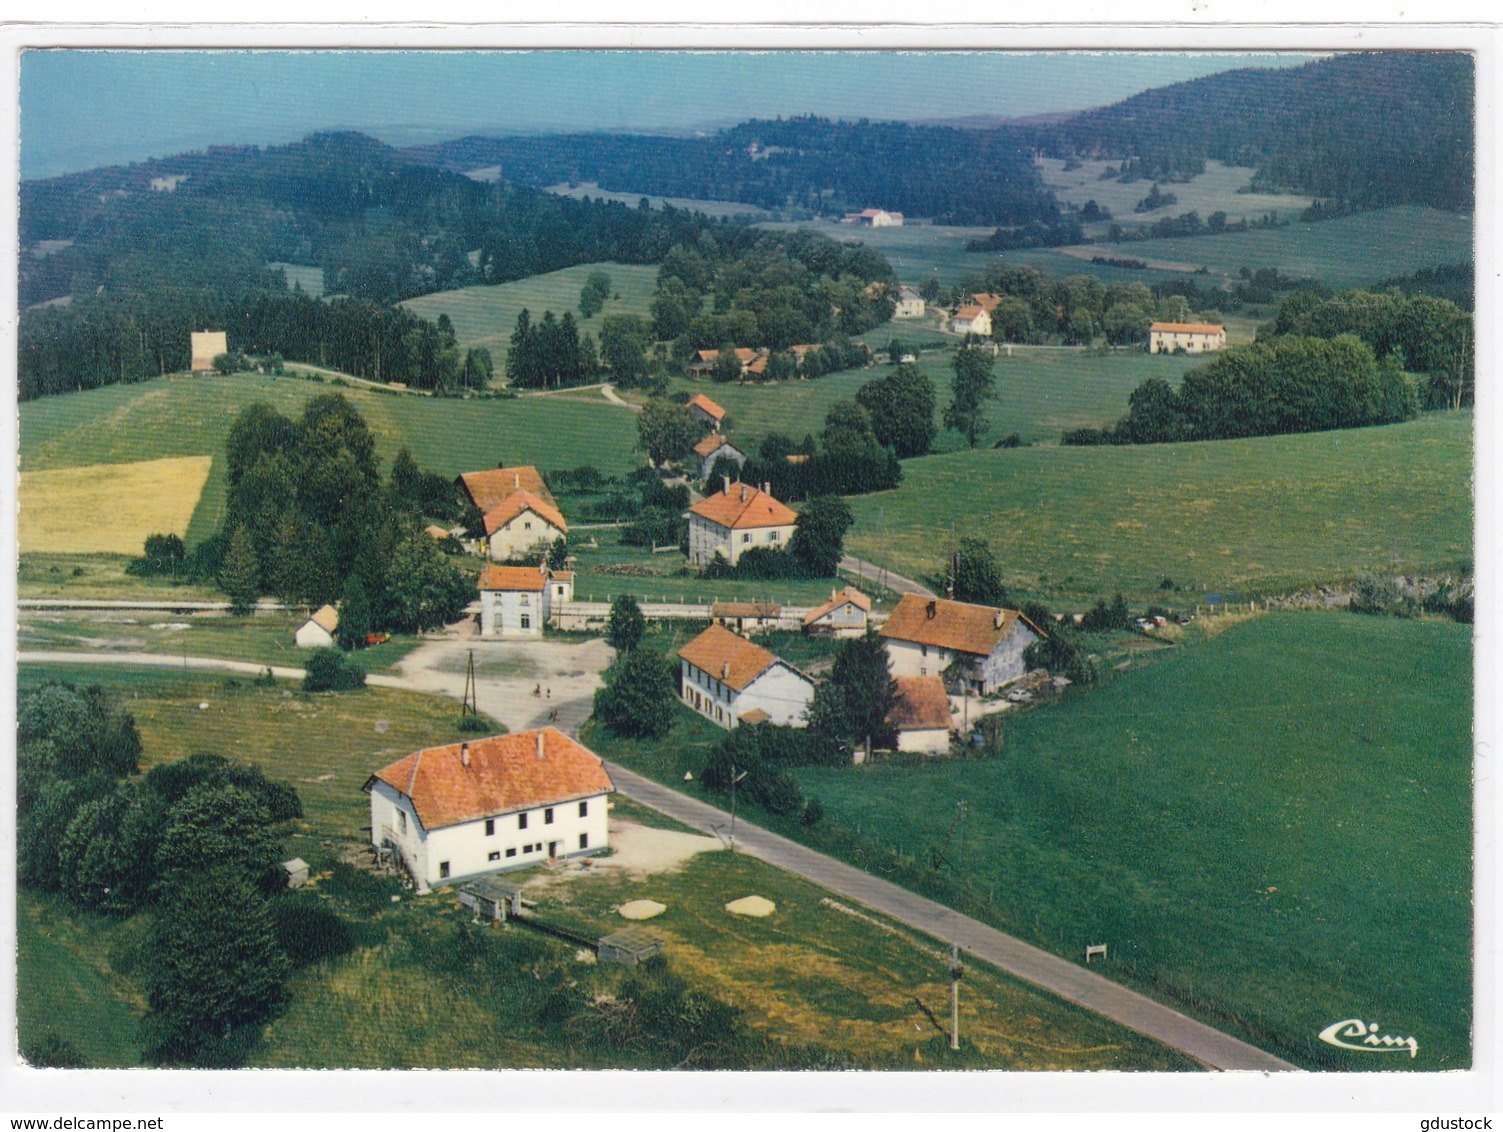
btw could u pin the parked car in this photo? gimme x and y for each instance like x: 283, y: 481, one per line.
x: 377, y: 638
x: 1183, y: 618
x: 1019, y: 696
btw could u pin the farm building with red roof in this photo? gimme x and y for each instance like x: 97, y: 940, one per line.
x: 520, y: 514
x: 1191, y: 337
x: 516, y: 601
x: 733, y: 521
x: 731, y: 681
x: 925, y: 635
x: 446, y: 813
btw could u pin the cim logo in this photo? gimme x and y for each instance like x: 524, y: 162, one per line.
x: 1343, y: 1034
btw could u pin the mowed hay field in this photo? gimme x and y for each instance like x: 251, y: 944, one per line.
x: 108, y: 507
x: 486, y: 316
x: 1271, y: 828
x: 1221, y: 188
x: 123, y: 424
x: 1268, y: 514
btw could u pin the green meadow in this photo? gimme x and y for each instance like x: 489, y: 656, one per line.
x: 487, y: 315
x: 712, y: 208
x: 119, y: 424
x: 1221, y: 188
x: 1261, y: 515
x: 1271, y: 829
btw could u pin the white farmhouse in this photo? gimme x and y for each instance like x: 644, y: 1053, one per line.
x: 731, y: 681
x: 972, y: 320
x: 516, y: 601
x: 910, y: 304
x: 1191, y: 337
x: 733, y: 521
x: 844, y: 615
x: 318, y: 631
x: 522, y: 523
x: 716, y: 447
x: 489, y: 804
x: 924, y: 635
x: 873, y: 218
x: 921, y: 715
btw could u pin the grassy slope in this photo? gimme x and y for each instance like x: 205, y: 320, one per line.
x: 1040, y: 394
x: 1263, y: 514
x: 124, y: 423
x: 711, y: 208
x: 1276, y: 825
x: 810, y: 973
x: 1351, y: 252
x: 486, y: 316
x: 1219, y: 189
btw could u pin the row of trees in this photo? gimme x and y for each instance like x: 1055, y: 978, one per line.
x: 192, y: 843
x: 1283, y: 385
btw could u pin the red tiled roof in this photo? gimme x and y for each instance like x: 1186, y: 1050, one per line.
x: 955, y: 625
x: 711, y: 444
x: 326, y: 618
x: 746, y: 609
x: 699, y: 400
x: 505, y: 773
x: 849, y: 594
x: 488, y: 489
x: 922, y: 704
x: 968, y: 314
x: 516, y: 579
x: 1188, y: 327
x: 436, y: 531
x: 755, y: 716
x: 728, y: 657
x: 517, y: 502
x: 986, y: 301
x: 741, y: 506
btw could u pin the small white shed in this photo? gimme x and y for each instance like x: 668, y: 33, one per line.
x: 318, y: 631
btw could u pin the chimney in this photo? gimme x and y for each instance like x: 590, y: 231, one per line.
x: 540, y: 742
x: 725, y: 670
x: 932, y: 608
x: 727, y: 481
x: 464, y: 754
x: 1001, y: 616
x: 767, y: 489
x: 743, y: 493
x: 516, y: 479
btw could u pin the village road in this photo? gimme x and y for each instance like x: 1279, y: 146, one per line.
x: 895, y: 582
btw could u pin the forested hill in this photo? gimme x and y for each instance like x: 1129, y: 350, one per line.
x: 1369, y: 129
x: 806, y: 163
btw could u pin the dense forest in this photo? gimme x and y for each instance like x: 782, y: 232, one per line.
x: 1366, y: 129
x: 805, y: 163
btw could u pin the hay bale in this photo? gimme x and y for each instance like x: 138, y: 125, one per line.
x: 641, y: 910
x: 751, y: 906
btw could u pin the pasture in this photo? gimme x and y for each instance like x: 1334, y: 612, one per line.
x: 108, y: 507
x: 1041, y: 392
x: 916, y: 251
x: 309, y: 278
x: 123, y: 424
x: 1272, y: 829
x: 1221, y: 188
x: 1353, y: 251
x: 858, y: 986
x: 1263, y: 515
x: 487, y: 315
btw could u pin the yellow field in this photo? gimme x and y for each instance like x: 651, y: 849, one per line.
x: 109, y: 507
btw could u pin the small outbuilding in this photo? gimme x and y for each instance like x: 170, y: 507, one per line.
x: 844, y: 615
x: 747, y: 616
x: 318, y: 631
x: 629, y: 946
x: 921, y: 715
x: 296, y: 871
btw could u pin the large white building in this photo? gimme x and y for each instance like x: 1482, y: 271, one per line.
x: 1191, y: 337
x: 520, y: 513
x: 489, y: 804
x: 909, y: 304
x: 972, y: 320
x: 925, y: 635
x: 731, y: 681
x: 517, y: 601
x: 733, y: 521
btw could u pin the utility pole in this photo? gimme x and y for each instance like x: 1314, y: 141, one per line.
x: 470, y: 706
x: 956, y: 971
x: 735, y: 778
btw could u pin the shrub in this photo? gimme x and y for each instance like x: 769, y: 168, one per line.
x: 1373, y: 594
x: 329, y: 671
x: 52, y: 1052
x: 308, y: 931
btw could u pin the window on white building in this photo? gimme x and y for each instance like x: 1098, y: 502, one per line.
x: 548, y: 816
x: 490, y: 827
x: 512, y: 852
x: 584, y: 809
x: 584, y: 840
x: 526, y: 621
x: 772, y: 536
x: 746, y: 537
x: 402, y: 822
x: 443, y: 868
x: 521, y: 821
x: 496, y: 856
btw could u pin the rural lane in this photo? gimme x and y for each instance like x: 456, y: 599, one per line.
x: 895, y: 582
x: 1068, y: 980
x: 437, y: 672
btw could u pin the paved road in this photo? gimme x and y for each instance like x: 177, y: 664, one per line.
x: 895, y: 582
x: 1068, y: 980
x: 433, y: 669
x: 164, y: 605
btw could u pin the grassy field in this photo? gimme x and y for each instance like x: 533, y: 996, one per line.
x: 711, y: 208
x: 856, y: 985
x: 1262, y: 515
x: 1273, y: 827
x: 1040, y: 394
x: 264, y: 639
x: 99, y: 576
x: 108, y: 507
x: 1219, y: 189
x: 916, y: 251
x: 667, y: 584
x: 1354, y: 251
x: 310, y: 279
x: 486, y: 316
x: 122, y: 424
